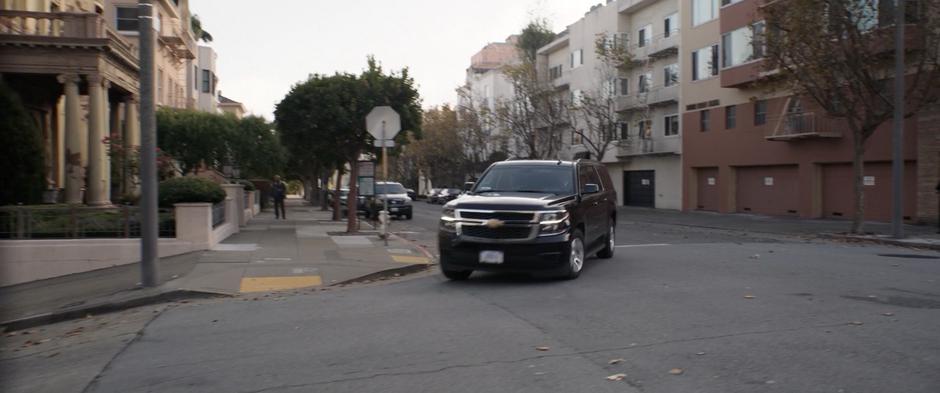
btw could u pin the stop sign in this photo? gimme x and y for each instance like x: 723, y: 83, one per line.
x: 383, y: 116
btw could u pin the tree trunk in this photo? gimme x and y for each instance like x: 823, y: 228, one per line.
x: 336, y: 207
x: 352, y: 202
x: 858, y: 169
x: 323, y: 179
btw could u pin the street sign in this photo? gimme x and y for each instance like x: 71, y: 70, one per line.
x: 383, y: 116
x: 366, y: 186
x: 366, y: 169
x: 388, y: 143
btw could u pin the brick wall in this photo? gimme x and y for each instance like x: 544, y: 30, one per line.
x: 928, y: 163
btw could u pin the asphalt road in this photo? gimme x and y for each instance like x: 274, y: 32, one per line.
x: 678, y: 309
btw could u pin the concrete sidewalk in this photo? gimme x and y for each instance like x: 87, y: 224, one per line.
x: 306, y: 250
x: 920, y: 236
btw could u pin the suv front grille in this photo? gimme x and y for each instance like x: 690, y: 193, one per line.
x: 504, y: 216
x: 506, y: 232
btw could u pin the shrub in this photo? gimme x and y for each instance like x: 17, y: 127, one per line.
x: 189, y: 190
x: 249, y: 186
x: 21, y: 153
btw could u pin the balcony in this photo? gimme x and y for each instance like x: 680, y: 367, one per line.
x: 179, y: 42
x: 657, y: 47
x: 631, y: 6
x: 562, y: 81
x: 656, y: 96
x: 803, y: 125
x: 636, y: 146
x: 29, y: 35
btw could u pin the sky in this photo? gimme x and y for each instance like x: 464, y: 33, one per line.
x: 264, y: 50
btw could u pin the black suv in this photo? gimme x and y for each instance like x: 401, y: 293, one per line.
x: 530, y: 216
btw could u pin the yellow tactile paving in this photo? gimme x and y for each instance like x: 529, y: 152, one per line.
x: 411, y: 259
x: 266, y: 284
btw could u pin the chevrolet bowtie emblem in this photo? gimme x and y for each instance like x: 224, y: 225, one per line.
x: 494, y: 223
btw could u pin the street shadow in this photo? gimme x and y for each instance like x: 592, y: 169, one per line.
x: 482, y: 278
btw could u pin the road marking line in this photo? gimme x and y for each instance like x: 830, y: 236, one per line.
x: 244, y: 247
x: 642, y: 245
x: 266, y: 284
x: 277, y: 259
x: 400, y: 251
x: 411, y: 260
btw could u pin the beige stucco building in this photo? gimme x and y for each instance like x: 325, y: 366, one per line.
x: 645, y: 159
x: 75, y: 65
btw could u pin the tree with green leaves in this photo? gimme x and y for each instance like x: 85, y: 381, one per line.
x: 198, y: 32
x: 323, y: 118
x: 440, y: 153
x: 536, y: 114
x: 194, y: 138
x: 257, y: 149
x: 840, y: 54
x: 21, y: 155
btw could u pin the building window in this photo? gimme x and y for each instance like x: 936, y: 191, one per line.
x: 576, y: 96
x: 671, y: 25
x: 126, y: 19
x: 705, y: 63
x: 644, y: 82
x: 624, y: 86
x: 644, y: 35
x: 704, y: 11
x: 742, y: 45
x: 160, y: 86
x: 704, y: 118
x: 577, y: 58
x: 206, y: 81
x: 731, y: 116
x: 672, y: 125
x: 729, y: 2
x: 760, y: 112
x: 671, y: 74
x: 624, y: 131
x: 555, y: 72
x: 644, y: 129
x: 577, y: 138
x: 195, y: 78
x: 157, y: 22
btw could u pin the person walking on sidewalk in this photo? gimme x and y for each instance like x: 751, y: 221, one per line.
x: 279, y: 191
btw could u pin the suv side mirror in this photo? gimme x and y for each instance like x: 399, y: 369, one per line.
x: 468, y: 186
x: 591, y: 189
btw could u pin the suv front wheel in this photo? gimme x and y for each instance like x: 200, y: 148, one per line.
x: 608, y: 250
x: 575, y: 255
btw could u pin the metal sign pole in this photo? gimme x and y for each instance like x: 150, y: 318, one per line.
x: 385, y: 179
x: 148, y: 153
x: 897, y: 168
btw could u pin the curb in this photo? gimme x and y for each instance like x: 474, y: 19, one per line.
x: 885, y: 241
x: 383, y: 274
x: 103, y: 307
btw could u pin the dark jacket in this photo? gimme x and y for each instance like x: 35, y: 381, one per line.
x: 278, y: 190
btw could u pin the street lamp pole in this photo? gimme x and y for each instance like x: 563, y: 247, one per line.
x: 148, y: 149
x: 897, y: 168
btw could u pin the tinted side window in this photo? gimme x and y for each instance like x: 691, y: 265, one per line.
x: 587, y: 175
x: 605, y: 178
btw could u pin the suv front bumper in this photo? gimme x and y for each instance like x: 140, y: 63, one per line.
x: 546, y: 254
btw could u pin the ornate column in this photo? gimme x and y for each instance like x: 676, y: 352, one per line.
x: 131, y: 141
x: 99, y: 188
x: 74, y: 140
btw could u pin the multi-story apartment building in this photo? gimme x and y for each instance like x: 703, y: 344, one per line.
x: 486, y: 86
x: 75, y: 65
x: 207, y: 81
x: 748, y: 149
x: 227, y: 105
x: 645, y: 159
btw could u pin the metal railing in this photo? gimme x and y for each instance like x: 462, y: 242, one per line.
x: 803, y: 125
x: 78, y: 222
x: 218, y: 214
x: 52, y: 28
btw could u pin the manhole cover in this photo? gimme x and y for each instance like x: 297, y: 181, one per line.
x: 912, y: 256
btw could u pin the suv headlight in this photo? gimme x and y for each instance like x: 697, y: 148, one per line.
x: 448, y: 220
x: 553, y: 223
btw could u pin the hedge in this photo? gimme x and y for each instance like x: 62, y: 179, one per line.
x: 190, y: 190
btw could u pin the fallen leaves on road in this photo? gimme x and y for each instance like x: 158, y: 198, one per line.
x: 542, y: 348
x: 749, y: 296
x: 700, y: 353
x: 888, y: 314
x: 676, y: 371
x: 617, y: 377
x: 615, y: 361
x: 755, y: 256
x: 856, y: 323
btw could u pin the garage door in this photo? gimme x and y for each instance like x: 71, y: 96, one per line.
x: 839, y: 200
x: 639, y: 188
x: 771, y: 190
x: 707, y: 191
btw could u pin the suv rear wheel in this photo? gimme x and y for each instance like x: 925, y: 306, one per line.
x: 575, y: 255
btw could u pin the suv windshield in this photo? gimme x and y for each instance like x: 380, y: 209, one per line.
x: 389, y: 188
x: 552, y: 179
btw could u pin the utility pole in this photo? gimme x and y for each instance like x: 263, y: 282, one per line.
x: 148, y: 149
x: 897, y: 169
x: 383, y: 216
